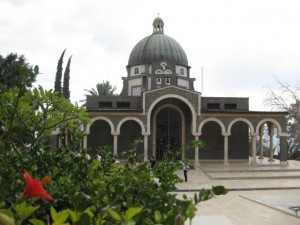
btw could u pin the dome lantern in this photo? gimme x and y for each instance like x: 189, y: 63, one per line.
x: 158, y: 26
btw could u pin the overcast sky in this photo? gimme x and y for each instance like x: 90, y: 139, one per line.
x: 240, y: 44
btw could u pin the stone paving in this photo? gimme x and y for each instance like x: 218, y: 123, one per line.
x: 255, y: 196
x: 278, y: 202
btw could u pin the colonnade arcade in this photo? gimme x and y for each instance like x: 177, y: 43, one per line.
x: 256, y: 139
x: 256, y: 132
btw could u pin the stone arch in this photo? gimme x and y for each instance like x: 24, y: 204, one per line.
x: 239, y: 145
x: 213, y: 120
x: 128, y: 130
x: 212, y: 131
x: 176, y: 97
x: 280, y: 133
x: 154, y: 126
x: 130, y: 118
x: 88, y: 127
x: 243, y: 120
x: 280, y: 145
x: 99, y: 133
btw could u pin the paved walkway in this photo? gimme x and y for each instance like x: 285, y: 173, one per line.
x: 259, y: 195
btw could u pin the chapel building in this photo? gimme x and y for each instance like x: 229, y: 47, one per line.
x: 159, y: 104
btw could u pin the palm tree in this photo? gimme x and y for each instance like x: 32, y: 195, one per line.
x: 102, y: 89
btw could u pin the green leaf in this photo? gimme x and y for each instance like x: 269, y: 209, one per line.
x: 73, y: 215
x: 131, y: 212
x: 114, y: 215
x: 130, y: 222
x: 55, y: 171
x: 219, y: 190
x: 84, y: 219
x: 7, y: 212
x: 190, y: 212
x: 196, y: 198
x: 205, y: 195
x: 6, y: 220
x: 53, y: 213
x: 157, y: 216
x: 24, y: 211
x: 36, y: 222
x: 61, y: 217
x: 82, y: 201
x: 89, y: 212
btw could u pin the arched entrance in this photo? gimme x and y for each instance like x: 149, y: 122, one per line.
x: 168, y: 134
x: 100, y: 134
x: 129, y: 132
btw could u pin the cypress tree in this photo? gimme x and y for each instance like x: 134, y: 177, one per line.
x: 66, y: 91
x: 57, y: 85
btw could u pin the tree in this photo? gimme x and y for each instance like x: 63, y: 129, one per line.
x: 27, y: 120
x: 287, y: 98
x: 66, y: 91
x: 15, y: 71
x: 59, y: 71
x: 102, y: 89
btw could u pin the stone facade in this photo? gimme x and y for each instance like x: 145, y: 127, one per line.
x: 158, y: 104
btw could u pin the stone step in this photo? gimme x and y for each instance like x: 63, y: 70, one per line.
x: 255, y: 178
x: 242, y: 170
x: 253, y: 175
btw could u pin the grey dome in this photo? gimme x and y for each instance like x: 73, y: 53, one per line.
x: 157, y: 47
x: 158, y: 20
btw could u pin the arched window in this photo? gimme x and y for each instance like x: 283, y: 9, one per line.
x: 158, y: 80
x: 136, y: 70
x: 182, y: 71
x: 167, y: 81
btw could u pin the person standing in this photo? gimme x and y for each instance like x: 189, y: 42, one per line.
x: 152, y: 162
x: 185, y: 168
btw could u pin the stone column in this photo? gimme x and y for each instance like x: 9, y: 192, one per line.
x: 253, y: 147
x: 196, y: 162
x: 283, y: 150
x: 59, y: 141
x: 261, y: 152
x: 145, y: 147
x: 66, y: 135
x: 154, y: 147
x: 271, y: 141
x: 54, y: 139
x: 226, y: 135
x: 115, y: 145
x: 85, y: 141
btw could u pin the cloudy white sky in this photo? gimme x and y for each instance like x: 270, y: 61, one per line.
x: 241, y: 44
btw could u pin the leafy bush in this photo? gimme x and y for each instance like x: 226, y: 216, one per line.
x: 85, y: 187
x: 83, y: 190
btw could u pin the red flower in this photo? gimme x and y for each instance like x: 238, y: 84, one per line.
x: 34, y: 188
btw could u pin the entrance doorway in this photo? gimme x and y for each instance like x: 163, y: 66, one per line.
x: 168, y: 134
